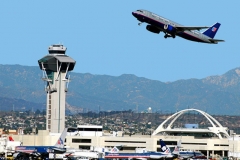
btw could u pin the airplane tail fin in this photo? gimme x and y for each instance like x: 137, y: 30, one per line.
x: 164, y: 148
x: 210, y: 32
x: 60, y: 141
x: 176, y: 150
x: 179, y: 143
x: 114, y: 150
x: 10, y: 138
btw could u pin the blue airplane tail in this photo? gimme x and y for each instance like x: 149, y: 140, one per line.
x: 210, y: 32
x: 164, y: 148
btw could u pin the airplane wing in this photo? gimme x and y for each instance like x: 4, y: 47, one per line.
x: 20, y: 154
x: 184, y: 28
x: 153, y: 156
x: 57, y: 150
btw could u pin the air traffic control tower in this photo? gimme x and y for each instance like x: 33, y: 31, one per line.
x: 56, y: 66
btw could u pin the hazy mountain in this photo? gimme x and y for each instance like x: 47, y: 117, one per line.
x: 22, y: 86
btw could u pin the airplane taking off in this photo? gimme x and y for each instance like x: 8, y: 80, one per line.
x: 157, y: 24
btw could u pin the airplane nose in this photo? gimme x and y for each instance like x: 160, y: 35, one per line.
x: 134, y: 14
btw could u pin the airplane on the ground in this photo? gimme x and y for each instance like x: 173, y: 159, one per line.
x: 157, y: 24
x: 42, y: 151
x: 146, y: 155
x: 166, y: 152
x: 92, y: 153
x: 189, y: 154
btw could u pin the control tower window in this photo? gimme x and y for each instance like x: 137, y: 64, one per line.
x: 56, y: 52
x: 57, y: 45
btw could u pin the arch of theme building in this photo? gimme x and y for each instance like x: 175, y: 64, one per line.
x: 217, y: 127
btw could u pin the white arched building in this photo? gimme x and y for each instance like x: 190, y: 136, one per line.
x: 216, y: 130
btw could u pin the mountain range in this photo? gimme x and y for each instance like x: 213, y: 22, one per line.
x: 22, y: 88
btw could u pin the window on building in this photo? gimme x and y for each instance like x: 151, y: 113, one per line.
x: 75, y: 140
x: 84, y: 147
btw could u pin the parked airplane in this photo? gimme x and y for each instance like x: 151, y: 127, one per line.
x: 145, y: 155
x: 42, y: 151
x: 157, y: 24
x: 179, y: 154
x: 166, y: 152
x: 7, y: 146
x: 189, y: 154
x: 93, y: 153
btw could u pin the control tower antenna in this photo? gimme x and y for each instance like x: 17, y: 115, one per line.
x: 55, y: 67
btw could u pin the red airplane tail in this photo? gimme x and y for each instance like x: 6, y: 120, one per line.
x: 10, y: 138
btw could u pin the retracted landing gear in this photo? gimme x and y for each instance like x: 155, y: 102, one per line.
x: 169, y: 35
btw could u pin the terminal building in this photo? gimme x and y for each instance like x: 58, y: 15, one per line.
x: 214, y: 140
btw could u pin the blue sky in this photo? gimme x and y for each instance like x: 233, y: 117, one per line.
x: 104, y: 38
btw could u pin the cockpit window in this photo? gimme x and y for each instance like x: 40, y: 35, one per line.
x: 140, y: 11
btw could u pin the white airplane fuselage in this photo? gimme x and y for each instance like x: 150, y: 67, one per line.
x: 159, y: 24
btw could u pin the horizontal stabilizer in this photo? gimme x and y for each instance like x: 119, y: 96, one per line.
x: 184, y: 28
x: 216, y: 40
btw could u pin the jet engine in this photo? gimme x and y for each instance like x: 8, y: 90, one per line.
x: 170, y: 29
x: 152, y: 29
